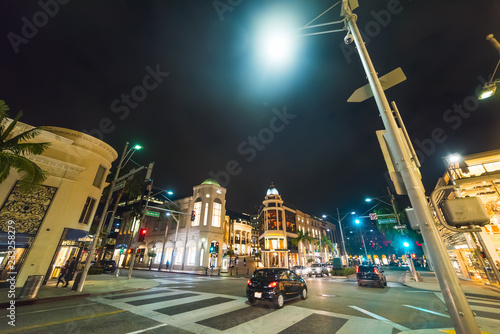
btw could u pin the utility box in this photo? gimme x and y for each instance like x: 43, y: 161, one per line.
x: 412, y: 218
x: 337, y: 263
x: 465, y: 211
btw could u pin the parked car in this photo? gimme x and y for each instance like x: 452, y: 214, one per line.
x: 300, y: 270
x: 370, y: 275
x: 109, y: 265
x: 275, y: 285
x: 329, y: 265
x: 318, y: 269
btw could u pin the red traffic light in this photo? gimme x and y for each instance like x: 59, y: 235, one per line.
x: 413, y: 256
x: 143, y: 231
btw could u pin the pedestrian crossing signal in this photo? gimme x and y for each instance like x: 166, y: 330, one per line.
x: 193, y: 216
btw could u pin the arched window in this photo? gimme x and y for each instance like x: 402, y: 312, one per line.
x: 216, y: 213
x: 197, y: 210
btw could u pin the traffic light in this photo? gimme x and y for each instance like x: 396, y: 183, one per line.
x: 217, y: 247
x: 212, y: 248
x: 142, y: 234
x: 193, y: 215
x: 413, y: 255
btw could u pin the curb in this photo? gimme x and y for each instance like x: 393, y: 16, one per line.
x: 33, y: 301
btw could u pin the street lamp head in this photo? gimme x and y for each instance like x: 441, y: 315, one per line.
x: 453, y: 158
x: 406, y: 244
x: 357, y: 221
x: 368, y: 199
x: 324, y: 216
x: 487, y: 91
x: 137, y: 147
x: 353, y: 213
x: 170, y: 192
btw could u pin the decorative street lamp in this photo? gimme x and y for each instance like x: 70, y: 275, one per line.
x: 490, y: 87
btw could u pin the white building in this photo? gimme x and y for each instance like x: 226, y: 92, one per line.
x: 51, y: 222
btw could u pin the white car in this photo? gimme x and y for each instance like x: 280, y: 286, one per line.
x: 300, y: 270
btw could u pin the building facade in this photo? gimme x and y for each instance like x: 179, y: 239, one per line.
x: 478, y: 175
x: 51, y: 223
x: 280, y: 224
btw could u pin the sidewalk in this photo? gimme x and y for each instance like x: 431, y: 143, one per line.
x: 95, y: 285
x: 429, y: 283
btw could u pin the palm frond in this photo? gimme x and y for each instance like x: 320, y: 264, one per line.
x: 24, y: 136
x: 28, y: 148
x: 5, y: 165
x: 11, y: 126
x: 4, y: 108
x: 31, y: 175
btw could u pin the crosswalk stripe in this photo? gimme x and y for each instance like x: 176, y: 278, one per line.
x: 161, y: 299
x: 378, y: 317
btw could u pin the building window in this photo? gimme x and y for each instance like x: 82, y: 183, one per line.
x: 205, y: 219
x: 180, y: 255
x: 197, y: 210
x: 216, y: 213
x: 191, y: 256
x: 99, y: 177
x: 87, y: 211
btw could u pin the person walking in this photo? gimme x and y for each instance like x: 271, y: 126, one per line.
x: 71, y: 272
x: 63, y: 272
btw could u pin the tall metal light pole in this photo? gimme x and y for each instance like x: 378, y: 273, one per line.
x: 458, y: 307
x: 362, y: 238
x: 339, y: 220
x: 91, y: 254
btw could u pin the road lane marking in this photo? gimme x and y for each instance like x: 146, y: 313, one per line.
x: 378, y: 317
x: 147, y: 329
x: 62, y: 321
x: 58, y: 308
x: 428, y: 311
x: 440, y: 296
x: 418, y: 291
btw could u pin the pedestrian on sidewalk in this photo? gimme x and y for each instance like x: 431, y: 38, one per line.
x: 63, y: 272
x: 71, y: 272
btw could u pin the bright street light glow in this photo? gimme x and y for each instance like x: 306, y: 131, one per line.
x: 353, y: 213
x: 357, y: 221
x: 137, y: 147
x: 406, y: 244
x: 487, y: 91
x: 368, y: 199
x: 324, y: 216
x: 170, y: 192
x: 277, y: 48
x: 454, y: 158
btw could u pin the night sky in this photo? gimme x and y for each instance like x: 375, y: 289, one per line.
x: 210, y: 95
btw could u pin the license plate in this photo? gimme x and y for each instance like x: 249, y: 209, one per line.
x: 258, y: 295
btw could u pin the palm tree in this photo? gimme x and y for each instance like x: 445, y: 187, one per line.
x: 326, y: 242
x: 13, y: 152
x: 304, y: 238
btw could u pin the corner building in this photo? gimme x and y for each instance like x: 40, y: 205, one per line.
x: 279, y: 224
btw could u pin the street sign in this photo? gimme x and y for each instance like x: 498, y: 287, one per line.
x: 373, y: 216
x: 152, y: 213
x: 119, y: 185
x: 399, y: 227
x: 122, y: 250
x: 388, y: 221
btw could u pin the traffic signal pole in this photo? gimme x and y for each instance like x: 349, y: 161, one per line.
x: 458, y: 307
x: 135, y: 236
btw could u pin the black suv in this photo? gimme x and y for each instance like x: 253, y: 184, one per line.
x: 109, y: 265
x: 275, y: 285
x: 370, y: 274
x: 318, y: 269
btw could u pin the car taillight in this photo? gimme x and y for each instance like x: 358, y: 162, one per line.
x: 272, y: 284
x: 249, y: 282
x: 357, y: 269
x: 375, y: 270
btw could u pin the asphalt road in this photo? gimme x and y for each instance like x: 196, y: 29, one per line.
x: 199, y: 304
